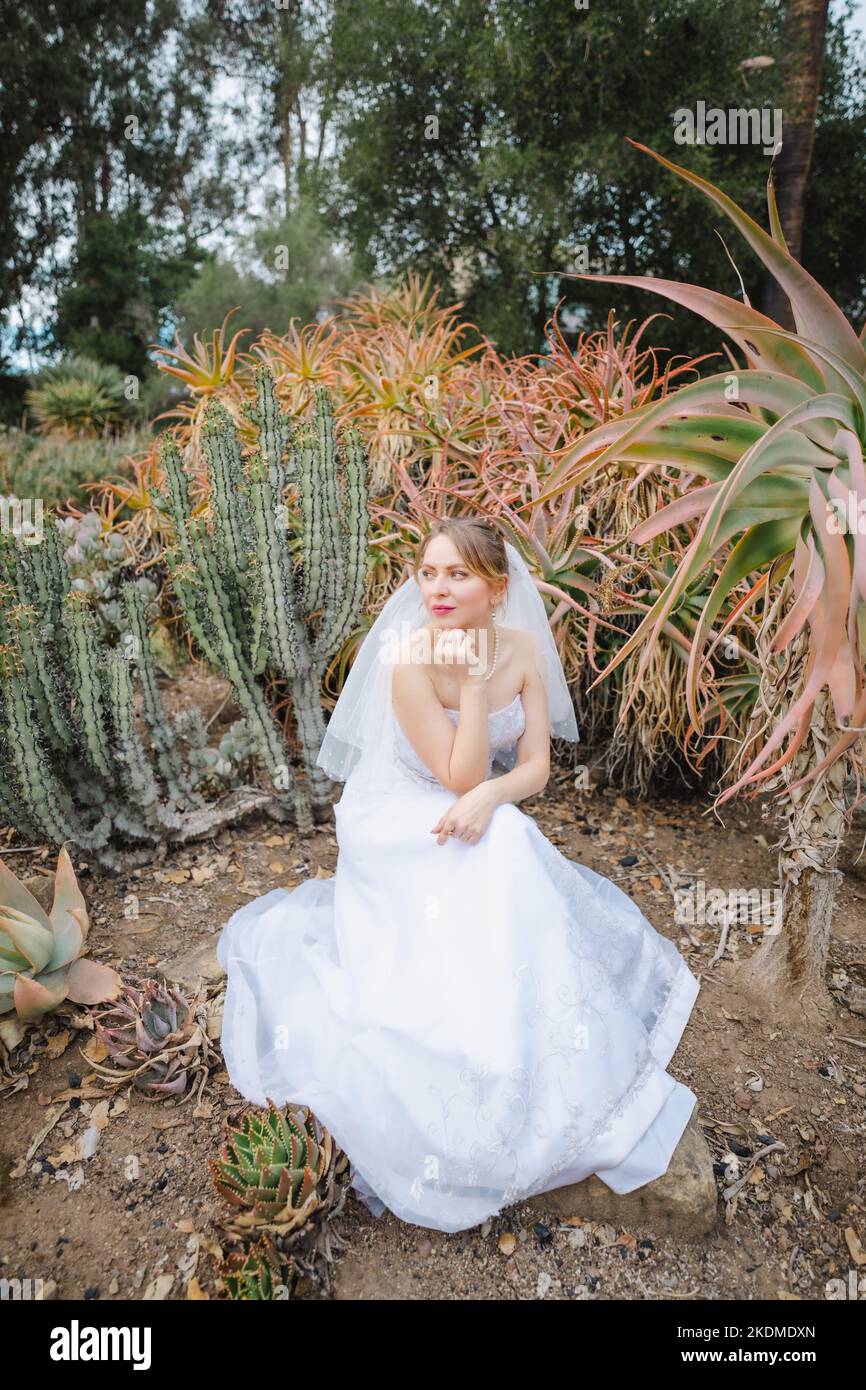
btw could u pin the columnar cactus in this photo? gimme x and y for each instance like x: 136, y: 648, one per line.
x: 248, y: 603
x: 72, y: 765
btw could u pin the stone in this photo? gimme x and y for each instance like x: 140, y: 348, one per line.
x: 682, y: 1202
x: 198, y: 964
x: 42, y: 888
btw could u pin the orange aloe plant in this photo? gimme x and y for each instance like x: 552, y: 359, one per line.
x: 779, y: 445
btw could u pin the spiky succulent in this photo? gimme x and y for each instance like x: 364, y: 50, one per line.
x: 154, y: 1038
x: 261, y: 1272
x: 782, y: 446
x: 42, y: 954
x: 272, y: 1164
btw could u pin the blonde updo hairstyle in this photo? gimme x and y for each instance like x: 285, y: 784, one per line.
x: 480, y: 545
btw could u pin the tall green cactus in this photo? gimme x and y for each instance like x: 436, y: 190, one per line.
x: 250, y: 604
x: 72, y: 765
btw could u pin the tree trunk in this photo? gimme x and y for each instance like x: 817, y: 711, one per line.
x: 287, y: 89
x: 802, y: 60
x: 785, y: 977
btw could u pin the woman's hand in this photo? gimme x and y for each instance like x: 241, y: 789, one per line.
x: 468, y: 818
x: 454, y: 647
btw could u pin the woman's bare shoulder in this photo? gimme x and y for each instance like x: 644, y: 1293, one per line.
x: 523, y: 647
x: 410, y: 678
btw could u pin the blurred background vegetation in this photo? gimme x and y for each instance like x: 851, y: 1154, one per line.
x: 189, y: 156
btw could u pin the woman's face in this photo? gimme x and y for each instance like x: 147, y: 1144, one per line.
x: 452, y: 593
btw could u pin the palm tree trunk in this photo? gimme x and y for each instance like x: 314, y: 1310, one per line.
x: 804, y: 33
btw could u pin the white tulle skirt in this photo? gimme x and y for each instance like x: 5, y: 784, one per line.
x: 474, y: 1024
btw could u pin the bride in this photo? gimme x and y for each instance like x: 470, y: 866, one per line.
x: 475, y: 1018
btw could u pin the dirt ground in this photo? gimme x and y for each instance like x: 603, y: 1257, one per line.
x: 799, y: 1220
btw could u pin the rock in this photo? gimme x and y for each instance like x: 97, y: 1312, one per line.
x: 854, y: 996
x: 42, y: 888
x: 198, y: 964
x: 682, y: 1202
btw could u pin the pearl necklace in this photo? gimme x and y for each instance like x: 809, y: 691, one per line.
x: 495, y: 651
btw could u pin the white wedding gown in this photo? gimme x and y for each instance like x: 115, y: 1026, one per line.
x: 474, y: 1024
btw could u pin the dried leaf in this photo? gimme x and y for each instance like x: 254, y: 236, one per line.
x: 51, y: 1121
x: 99, y: 1114
x: 159, y: 1288
x: 57, y: 1044
x: 94, y: 1050
x: 855, y: 1249
x: 11, y: 1032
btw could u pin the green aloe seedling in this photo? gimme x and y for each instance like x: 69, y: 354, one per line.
x: 261, y: 1273
x: 271, y: 1166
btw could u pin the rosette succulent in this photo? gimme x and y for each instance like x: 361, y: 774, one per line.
x: 261, y: 1273
x: 42, y: 954
x: 155, y: 1039
x: 272, y: 1164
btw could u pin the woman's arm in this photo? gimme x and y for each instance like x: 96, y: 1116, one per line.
x: 531, y: 772
x: 457, y: 758
x: 469, y: 816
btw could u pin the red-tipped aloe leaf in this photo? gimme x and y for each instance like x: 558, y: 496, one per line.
x: 815, y: 311
x: 745, y: 325
x: 32, y: 942
x: 777, y: 393
x: 67, y: 893
x: 33, y: 998
x: 90, y: 982
x: 806, y: 596
x: 760, y: 545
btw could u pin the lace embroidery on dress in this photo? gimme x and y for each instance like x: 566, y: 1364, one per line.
x: 642, y: 971
x: 603, y: 946
x: 505, y: 728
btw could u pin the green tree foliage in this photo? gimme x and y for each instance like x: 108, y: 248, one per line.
x: 107, y: 116
x: 286, y: 267
x: 121, y: 287
x: 529, y: 159
x: 481, y: 140
x: 833, y: 231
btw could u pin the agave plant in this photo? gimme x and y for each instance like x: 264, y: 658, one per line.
x: 42, y: 954
x: 272, y: 1166
x: 262, y: 1272
x: 211, y: 371
x: 79, y: 396
x: 780, y: 445
x: 301, y: 359
x: 156, y: 1038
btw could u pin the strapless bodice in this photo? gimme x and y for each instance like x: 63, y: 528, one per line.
x: 505, y: 727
